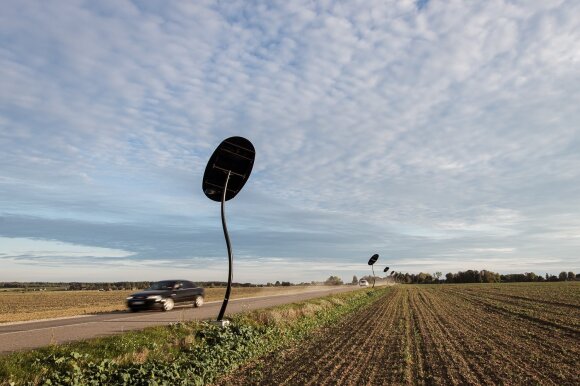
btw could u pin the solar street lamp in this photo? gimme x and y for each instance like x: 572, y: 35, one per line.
x: 226, y: 173
x: 372, y: 261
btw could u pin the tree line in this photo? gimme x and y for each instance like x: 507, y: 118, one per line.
x: 76, y: 286
x: 483, y: 276
x: 109, y: 286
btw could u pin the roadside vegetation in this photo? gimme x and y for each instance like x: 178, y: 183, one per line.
x: 458, y: 334
x: 24, y: 306
x: 192, y: 353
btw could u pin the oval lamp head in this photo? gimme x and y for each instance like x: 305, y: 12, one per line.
x: 373, y: 259
x: 392, y: 272
x: 235, y: 156
x: 386, y: 269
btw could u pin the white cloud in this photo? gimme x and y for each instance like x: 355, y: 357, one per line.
x: 36, y: 250
x: 491, y: 250
x: 455, y: 123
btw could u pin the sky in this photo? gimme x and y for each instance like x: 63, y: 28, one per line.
x: 442, y: 135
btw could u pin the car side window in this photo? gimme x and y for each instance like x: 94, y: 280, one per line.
x: 186, y: 284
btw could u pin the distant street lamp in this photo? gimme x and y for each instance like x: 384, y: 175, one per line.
x: 227, y: 171
x: 386, y: 269
x: 372, y: 261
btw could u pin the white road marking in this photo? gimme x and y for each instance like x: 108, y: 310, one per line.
x: 45, y: 328
x: 45, y: 320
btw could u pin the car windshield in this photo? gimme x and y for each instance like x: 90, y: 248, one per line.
x: 162, y: 285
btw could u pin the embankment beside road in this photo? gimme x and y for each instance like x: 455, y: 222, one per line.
x: 196, y: 353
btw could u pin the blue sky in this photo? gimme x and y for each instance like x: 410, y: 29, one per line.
x: 442, y: 135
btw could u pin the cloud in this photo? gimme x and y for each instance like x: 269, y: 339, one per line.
x: 415, y: 128
x: 23, y: 248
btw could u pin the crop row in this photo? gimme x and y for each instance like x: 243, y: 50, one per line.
x: 443, y: 334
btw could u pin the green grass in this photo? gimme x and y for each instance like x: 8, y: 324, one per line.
x: 192, y: 353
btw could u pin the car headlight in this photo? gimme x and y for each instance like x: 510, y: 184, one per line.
x: 154, y: 297
x: 130, y: 297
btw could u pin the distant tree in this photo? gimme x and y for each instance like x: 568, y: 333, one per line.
x: 333, y: 280
x: 563, y: 276
x: 420, y: 278
x: 449, y: 277
x: 571, y: 276
x: 354, y: 280
x: 438, y: 275
x: 424, y: 278
x: 277, y: 284
x: 489, y: 276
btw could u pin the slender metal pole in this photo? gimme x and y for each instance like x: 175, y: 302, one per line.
x: 374, y: 278
x: 230, y: 256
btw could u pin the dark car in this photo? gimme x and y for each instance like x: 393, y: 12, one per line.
x: 165, y: 295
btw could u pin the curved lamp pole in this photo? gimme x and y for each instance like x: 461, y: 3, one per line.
x: 372, y: 261
x: 226, y: 172
x: 229, y: 247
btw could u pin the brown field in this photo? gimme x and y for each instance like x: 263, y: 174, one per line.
x: 440, y: 334
x: 24, y: 306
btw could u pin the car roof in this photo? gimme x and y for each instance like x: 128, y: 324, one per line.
x: 174, y: 280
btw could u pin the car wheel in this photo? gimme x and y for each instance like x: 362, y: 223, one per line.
x: 168, y: 305
x: 198, y: 301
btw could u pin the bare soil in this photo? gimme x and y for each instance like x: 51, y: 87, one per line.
x: 439, y: 335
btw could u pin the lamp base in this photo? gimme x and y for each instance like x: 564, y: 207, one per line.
x: 220, y: 323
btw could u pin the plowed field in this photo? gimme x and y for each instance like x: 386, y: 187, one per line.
x: 440, y: 334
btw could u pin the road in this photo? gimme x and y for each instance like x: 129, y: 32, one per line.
x: 29, y: 335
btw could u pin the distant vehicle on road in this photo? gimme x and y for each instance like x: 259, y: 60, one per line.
x: 363, y: 283
x: 165, y: 295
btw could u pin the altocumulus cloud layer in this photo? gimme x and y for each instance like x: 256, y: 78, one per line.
x: 442, y: 135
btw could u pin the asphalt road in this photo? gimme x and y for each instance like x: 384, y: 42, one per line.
x: 29, y: 335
